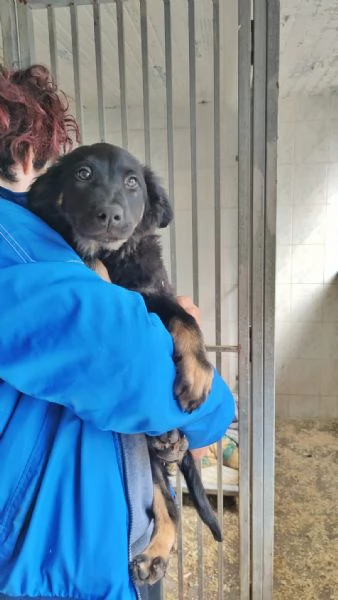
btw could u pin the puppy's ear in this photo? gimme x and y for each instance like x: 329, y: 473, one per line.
x: 161, y: 213
x: 44, y: 196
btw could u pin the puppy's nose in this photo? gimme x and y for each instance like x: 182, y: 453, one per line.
x: 110, y: 215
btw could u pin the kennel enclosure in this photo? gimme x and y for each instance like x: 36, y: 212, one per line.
x: 191, y: 88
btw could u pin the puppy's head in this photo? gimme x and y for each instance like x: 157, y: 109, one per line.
x: 99, y: 195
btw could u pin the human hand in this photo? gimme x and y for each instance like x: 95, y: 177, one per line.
x: 190, y: 308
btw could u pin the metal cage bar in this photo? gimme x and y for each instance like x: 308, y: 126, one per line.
x: 180, y: 550
x: 36, y: 4
x: 263, y: 276
x: 52, y: 42
x: 193, y: 147
x: 99, y: 72
x: 173, y: 259
x: 16, y: 26
x: 145, y: 79
x: 194, y: 227
x: 170, y: 134
x: 258, y: 216
x: 26, y: 36
x: 244, y: 317
x: 10, y: 34
x: 122, y: 72
x: 17, y: 35
x: 76, y: 66
x: 218, y: 266
x: 272, y: 68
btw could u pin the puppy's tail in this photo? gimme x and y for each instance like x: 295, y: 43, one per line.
x: 198, y: 495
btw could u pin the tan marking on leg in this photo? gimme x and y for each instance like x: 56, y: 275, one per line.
x: 101, y: 270
x: 164, y: 535
x: 150, y: 566
x: 194, y: 372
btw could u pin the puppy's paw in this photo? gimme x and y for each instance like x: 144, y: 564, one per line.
x: 148, y: 570
x: 170, y: 447
x: 193, y: 381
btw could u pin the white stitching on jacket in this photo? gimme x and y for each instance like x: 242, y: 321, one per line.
x: 19, y: 250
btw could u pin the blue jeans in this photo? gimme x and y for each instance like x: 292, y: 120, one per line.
x: 151, y: 592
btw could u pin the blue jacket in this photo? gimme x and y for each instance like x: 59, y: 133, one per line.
x: 81, y: 362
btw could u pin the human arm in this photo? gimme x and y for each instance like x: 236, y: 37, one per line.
x: 69, y: 338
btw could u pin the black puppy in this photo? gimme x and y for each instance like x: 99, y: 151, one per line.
x: 107, y: 207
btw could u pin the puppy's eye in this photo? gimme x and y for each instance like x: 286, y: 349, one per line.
x: 131, y: 182
x: 84, y: 173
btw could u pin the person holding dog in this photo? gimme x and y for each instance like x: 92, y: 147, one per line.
x: 75, y: 481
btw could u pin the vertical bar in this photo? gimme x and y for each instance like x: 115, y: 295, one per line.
x: 31, y: 38
x: 76, y: 66
x: 200, y: 553
x: 99, y: 74
x: 272, y: 59
x: 25, y: 35
x: 170, y: 133
x: 217, y: 179
x: 171, y: 183
x: 218, y: 313
x: 244, y: 231
x: 193, y: 147
x: 194, y: 225
x: 180, y: 556
x: 145, y: 79
x: 10, y: 34
x: 122, y: 72
x: 31, y: 34
x: 258, y: 216
x: 52, y: 42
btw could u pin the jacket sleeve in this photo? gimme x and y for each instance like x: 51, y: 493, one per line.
x: 69, y: 338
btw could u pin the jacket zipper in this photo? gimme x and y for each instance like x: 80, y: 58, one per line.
x: 125, y: 475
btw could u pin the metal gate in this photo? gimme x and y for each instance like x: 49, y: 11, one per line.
x: 208, y: 68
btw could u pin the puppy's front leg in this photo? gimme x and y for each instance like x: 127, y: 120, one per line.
x: 194, y: 373
x: 101, y: 270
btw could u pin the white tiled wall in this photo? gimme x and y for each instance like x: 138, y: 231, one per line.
x: 307, y: 258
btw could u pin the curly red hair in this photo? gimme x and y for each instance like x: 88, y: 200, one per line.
x: 33, y: 118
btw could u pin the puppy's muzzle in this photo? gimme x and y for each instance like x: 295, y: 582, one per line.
x: 103, y: 223
x: 109, y: 217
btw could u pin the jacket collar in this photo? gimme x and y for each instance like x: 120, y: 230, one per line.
x: 17, y: 197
